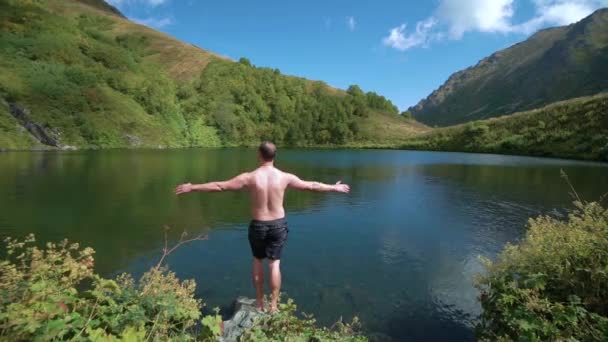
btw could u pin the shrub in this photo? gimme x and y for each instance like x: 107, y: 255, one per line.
x: 245, y: 61
x: 553, y: 285
x: 50, y: 82
x: 80, y: 76
x: 476, y: 132
x: 514, y: 142
x: 53, y: 293
x: 136, y: 43
x: 157, y: 96
x: 407, y: 115
x: 476, y: 128
x: 286, y: 326
x: 110, y: 56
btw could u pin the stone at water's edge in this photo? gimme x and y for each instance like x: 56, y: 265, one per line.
x: 245, y: 313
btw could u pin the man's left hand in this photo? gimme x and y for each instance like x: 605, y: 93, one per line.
x: 183, y: 188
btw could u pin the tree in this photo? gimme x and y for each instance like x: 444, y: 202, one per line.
x: 245, y: 61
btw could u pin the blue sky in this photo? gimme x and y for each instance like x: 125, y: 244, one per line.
x: 400, y: 49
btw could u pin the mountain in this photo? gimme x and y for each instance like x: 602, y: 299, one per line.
x: 552, y: 65
x: 78, y: 74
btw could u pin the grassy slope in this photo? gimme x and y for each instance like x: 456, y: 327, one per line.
x: 66, y: 70
x: 576, y: 128
x: 383, y: 130
x: 95, y: 79
x: 180, y: 60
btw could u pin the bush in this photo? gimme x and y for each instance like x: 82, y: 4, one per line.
x: 53, y: 293
x: 407, y: 115
x: 110, y: 56
x: 51, y: 83
x: 476, y: 133
x: 286, y: 326
x: 514, y: 142
x: 553, y: 285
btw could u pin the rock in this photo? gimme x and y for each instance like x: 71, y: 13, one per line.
x: 133, y: 140
x: 35, y: 129
x: 245, y: 314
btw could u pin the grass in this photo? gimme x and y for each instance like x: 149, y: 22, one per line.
x: 394, y: 130
x: 180, y: 60
x: 576, y: 129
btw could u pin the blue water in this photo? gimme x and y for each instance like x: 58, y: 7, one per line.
x: 399, y: 251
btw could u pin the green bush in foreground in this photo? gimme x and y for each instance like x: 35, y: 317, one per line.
x: 52, y: 293
x: 553, y: 285
x: 285, y: 326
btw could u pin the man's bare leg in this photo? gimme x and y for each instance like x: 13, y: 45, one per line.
x: 275, y: 283
x: 258, y: 282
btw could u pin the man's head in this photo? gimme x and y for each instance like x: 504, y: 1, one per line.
x: 267, y: 151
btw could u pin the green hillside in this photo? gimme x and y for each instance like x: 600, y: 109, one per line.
x: 552, y: 65
x: 576, y: 129
x: 78, y: 74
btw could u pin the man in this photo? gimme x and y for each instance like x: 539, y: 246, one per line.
x: 268, y: 229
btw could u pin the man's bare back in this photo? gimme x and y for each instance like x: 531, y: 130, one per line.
x: 268, y: 229
x: 267, y: 186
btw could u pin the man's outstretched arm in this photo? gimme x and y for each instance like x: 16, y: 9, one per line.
x: 296, y: 183
x: 236, y: 183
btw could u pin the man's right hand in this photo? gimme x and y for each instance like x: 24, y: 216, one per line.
x: 343, y: 188
x: 183, y: 188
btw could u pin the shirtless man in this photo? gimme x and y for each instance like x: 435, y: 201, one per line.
x: 268, y: 229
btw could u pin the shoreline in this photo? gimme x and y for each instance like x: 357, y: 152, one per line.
x: 378, y: 147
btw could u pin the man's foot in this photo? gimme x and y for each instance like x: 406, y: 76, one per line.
x: 273, y: 310
x: 259, y: 304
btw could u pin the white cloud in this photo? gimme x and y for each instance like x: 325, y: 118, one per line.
x: 422, y: 36
x: 454, y: 18
x: 154, y: 22
x: 462, y: 16
x: 351, y: 23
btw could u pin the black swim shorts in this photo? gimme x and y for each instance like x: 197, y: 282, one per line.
x: 267, y: 238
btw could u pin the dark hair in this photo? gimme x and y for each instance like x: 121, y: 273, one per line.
x: 268, y: 151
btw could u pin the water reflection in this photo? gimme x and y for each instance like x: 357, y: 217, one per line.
x: 400, y: 251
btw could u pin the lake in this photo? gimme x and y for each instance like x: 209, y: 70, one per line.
x: 399, y: 251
